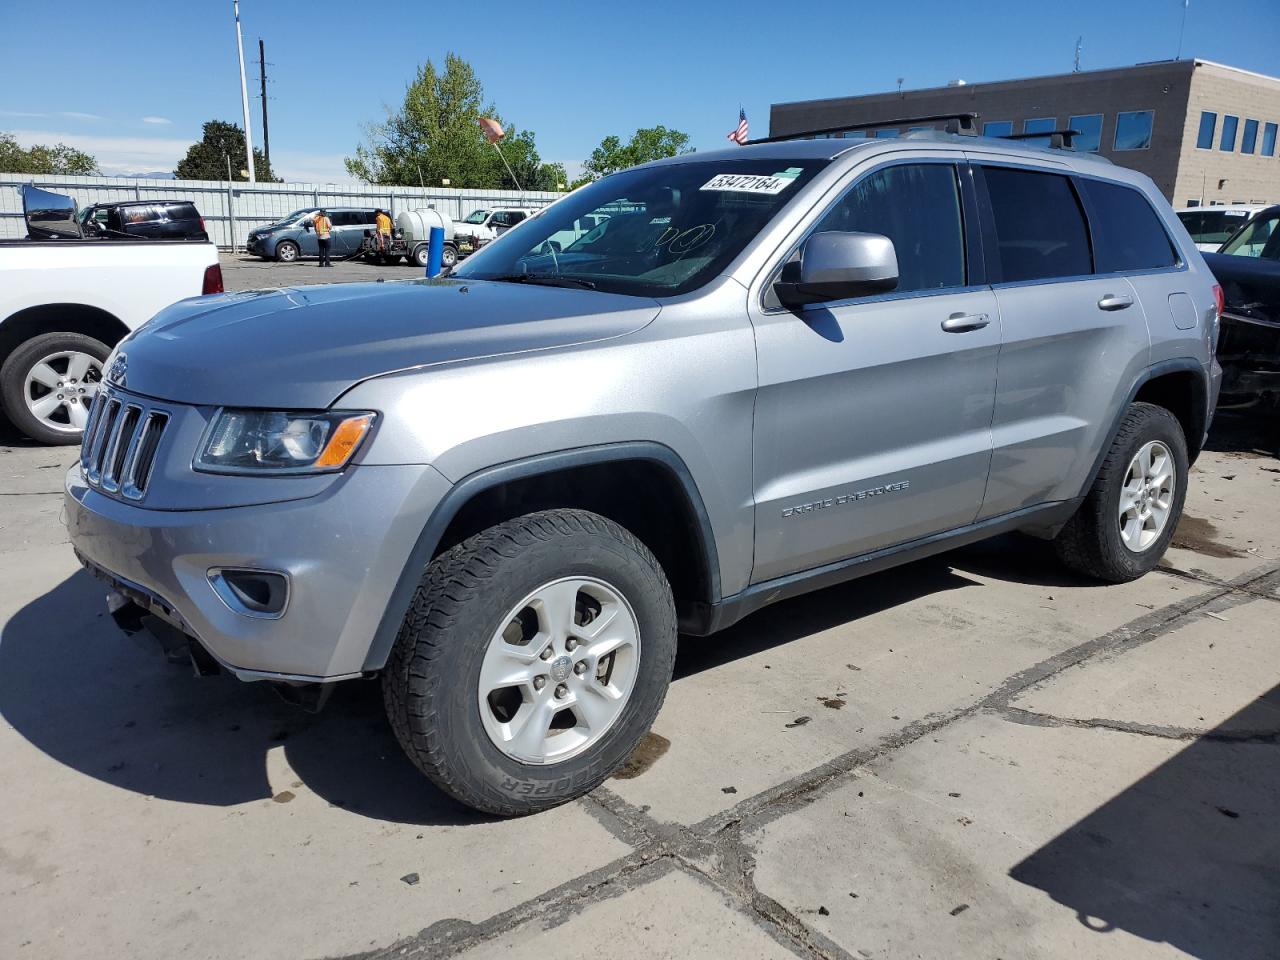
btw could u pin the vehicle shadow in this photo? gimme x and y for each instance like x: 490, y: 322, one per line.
x: 1187, y: 855
x: 113, y: 708
x: 1250, y: 433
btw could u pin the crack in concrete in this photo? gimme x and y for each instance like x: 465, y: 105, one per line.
x: 1032, y: 718
x: 1212, y: 581
x: 715, y: 850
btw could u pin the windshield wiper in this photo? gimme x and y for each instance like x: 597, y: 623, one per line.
x: 549, y: 279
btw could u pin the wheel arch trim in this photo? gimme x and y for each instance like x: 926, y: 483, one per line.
x: 489, y: 477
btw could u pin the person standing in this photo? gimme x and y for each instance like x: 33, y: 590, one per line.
x: 324, y: 227
x: 383, y: 222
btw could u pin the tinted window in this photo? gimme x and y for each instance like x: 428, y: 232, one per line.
x: 1213, y: 226
x: 1089, y: 126
x: 1229, y: 126
x: 1269, y: 140
x: 997, y: 128
x: 1127, y: 233
x: 1040, y: 230
x: 140, y: 213
x: 1249, y: 142
x: 917, y: 206
x: 182, y: 211
x: 1040, y: 125
x: 1208, y: 124
x: 1133, y: 130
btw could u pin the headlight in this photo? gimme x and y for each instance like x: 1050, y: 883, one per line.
x: 270, y: 441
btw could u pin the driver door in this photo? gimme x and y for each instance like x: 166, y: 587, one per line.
x: 873, y: 415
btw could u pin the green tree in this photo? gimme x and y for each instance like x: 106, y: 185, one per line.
x: 435, y: 135
x: 207, y: 160
x: 647, y: 143
x: 58, y: 159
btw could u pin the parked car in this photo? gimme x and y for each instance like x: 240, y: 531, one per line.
x: 485, y: 225
x: 147, y: 219
x: 1211, y: 227
x: 294, y: 237
x: 67, y: 299
x: 786, y: 366
x: 1249, y: 345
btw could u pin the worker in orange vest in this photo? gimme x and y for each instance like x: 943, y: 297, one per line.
x: 323, y: 227
x: 383, y: 222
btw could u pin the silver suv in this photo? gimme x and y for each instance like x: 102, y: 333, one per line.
x: 766, y: 370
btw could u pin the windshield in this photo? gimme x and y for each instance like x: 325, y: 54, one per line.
x: 651, y: 231
x: 1212, y: 226
x: 476, y: 216
x: 297, y: 214
x: 1258, y: 238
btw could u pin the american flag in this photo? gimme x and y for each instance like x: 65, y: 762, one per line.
x: 739, y: 133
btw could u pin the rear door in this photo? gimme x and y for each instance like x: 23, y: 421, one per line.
x: 873, y: 415
x: 1072, y: 341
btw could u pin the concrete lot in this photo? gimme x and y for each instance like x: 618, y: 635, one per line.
x: 242, y: 272
x: 976, y: 755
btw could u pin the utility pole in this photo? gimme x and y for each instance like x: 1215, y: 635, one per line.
x: 244, y: 97
x: 1079, y: 43
x: 262, y: 76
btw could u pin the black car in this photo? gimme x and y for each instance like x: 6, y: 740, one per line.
x: 1248, y: 268
x: 145, y: 219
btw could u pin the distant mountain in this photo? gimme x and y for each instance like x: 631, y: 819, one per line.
x: 154, y: 175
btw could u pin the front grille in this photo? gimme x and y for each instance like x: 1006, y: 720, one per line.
x: 120, y: 444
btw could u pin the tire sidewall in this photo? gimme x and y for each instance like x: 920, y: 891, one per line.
x: 1158, y: 424
x: 449, y: 258
x: 458, y: 722
x: 287, y: 245
x: 13, y: 376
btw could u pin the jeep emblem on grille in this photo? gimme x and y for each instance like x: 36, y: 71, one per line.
x: 119, y: 368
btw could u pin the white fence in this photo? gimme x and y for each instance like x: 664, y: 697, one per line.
x: 231, y: 210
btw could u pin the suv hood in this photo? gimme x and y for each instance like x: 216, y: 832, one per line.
x: 303, y: 347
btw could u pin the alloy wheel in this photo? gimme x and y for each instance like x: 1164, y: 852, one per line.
x: 60, y: 387
x: 1146, y: 499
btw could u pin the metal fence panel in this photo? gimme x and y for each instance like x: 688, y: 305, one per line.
x: 231, y: 210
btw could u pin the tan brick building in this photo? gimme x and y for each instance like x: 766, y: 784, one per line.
x: 1204, y: 132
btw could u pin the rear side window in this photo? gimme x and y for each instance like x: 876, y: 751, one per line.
x: 181, y: 211
x: 1127, y: 233
x: 1040, y: 231
x: 917, y: 206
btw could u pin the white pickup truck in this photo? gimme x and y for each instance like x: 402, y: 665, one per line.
x: 65, y: 301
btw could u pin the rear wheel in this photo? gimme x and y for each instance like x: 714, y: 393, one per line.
x: 1126, y: 521
x: 287, y: 251
x: 421, y: 254
x: 449, y: 258
x: 534, y: 657
x: 48, y: 382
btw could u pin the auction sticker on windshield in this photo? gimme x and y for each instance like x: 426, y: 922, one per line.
x: 748, y: 183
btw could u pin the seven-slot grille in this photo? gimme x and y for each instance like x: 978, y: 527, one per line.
x: 120, y: 443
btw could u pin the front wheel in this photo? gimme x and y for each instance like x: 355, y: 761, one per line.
x: 534, y: 657
x: 1127, y: 519
x: 287, y: 251
x: 48, y: 383
x: 449, y: 258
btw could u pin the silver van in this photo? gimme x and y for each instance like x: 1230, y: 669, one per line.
x: 294, y: 237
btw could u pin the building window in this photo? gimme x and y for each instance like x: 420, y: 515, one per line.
x: 1208, y: 124
x: 1194, y: 203
x: 1249, y: 142
x: 887, y: 133
x: 1089, y: 126
x: 1228, y: 141
x: 1040, y: 125
x: 997, y: 128
x: 1133, y: 129
x: 853, y: 135
x: 1269, y: 140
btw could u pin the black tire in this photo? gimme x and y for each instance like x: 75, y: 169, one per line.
x: 421, y: 253
x: 287, y: 252
x: 449, y: 258
x: 430, y: 683
x: 13, y: 377
x: 1091, y: 543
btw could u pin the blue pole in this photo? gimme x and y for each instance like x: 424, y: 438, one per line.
x: 435, y: 251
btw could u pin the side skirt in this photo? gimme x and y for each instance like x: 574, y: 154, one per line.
x: 1043, y: 521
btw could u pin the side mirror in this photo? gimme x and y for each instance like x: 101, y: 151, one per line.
x: 49, y: 215
x: 837, y: 266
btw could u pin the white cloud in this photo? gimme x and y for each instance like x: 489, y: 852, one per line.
x: 156, y: 120
x: 76, y: 115
x: 297, y: 167
x: 19, y: 113
x: 116, y: 156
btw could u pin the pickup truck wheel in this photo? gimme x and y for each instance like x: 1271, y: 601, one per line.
x: 286, y: 251
x: 1126, y: 521
x: 48, y: 382
x: 534, y: 657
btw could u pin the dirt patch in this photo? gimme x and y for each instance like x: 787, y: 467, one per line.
x: 1198, y: 535
x: 646, y: 754
x: 833, y: 703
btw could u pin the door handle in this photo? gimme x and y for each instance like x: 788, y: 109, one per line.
x: 1111, y: 302
x: 963, y: 322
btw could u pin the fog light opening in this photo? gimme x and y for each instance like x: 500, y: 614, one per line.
x: 252, y: 593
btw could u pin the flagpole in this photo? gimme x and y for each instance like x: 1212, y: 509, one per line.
x: 1183, y: 29
x: 508, y: 166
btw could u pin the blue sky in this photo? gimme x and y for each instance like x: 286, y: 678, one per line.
x: 132, y: 82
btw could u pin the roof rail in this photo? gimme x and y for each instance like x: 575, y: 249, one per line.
x: 965, y: 124
x: 1058, y: 139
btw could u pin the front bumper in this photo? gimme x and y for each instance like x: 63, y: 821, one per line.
x: 342, y: 552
